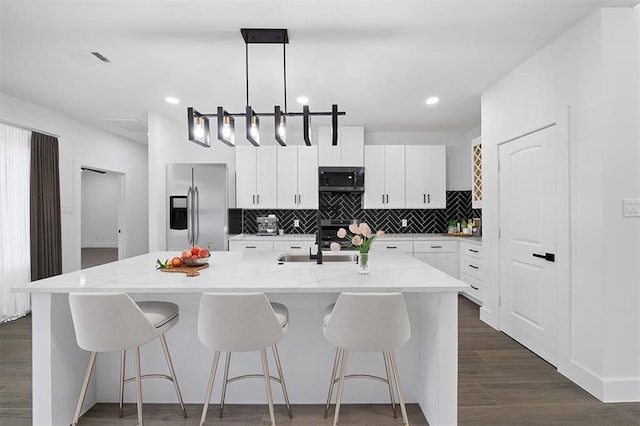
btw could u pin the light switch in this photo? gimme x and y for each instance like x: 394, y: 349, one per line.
x: 404, y: 222
x: 631, y: 207
x: 296, y: 223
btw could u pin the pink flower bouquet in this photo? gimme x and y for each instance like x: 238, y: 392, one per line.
x: 360, y: 236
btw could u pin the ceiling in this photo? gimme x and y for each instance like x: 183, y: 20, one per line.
x: 378, y: 60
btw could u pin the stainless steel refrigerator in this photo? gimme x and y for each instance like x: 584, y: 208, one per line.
x: 197, y: 206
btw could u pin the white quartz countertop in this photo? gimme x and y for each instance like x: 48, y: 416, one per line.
x: 417, y: 237
x: 252, y: 271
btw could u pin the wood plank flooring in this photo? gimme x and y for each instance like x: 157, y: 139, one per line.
x: 94, y: 256
x: 500, y: 383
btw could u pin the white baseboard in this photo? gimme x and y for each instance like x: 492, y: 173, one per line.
x: 489, y: 318
x: 100, y: 245
x: 606, y: 390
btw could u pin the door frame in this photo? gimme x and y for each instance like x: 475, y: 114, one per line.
x: 563, y: 121
x: 77, y: 211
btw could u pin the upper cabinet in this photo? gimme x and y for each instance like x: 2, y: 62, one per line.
x: 297, y: 177
x: 348, y: 152
x: 476, y: 173
x: 426, y: 176
x: 384, y: 180
x: 256, y: 177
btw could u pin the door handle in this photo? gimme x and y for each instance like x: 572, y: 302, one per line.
x: 196, y: 214
x: 424, y: 199
x: 550, y: 257
x: 387, y: 198
x: 189, y: 215
x: 428, y: 198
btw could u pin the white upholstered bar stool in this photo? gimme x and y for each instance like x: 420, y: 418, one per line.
x: 242, y: 322
x: 367, y: 322
x: 107, y: 322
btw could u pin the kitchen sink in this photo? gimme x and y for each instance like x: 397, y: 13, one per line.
x: 325, y: 258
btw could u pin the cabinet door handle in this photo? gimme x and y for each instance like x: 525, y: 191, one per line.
x: 474, y: 287
x: 253, y: 199
x: 428, y: 198
x: 258, y: 198
x: 250, y: 247
x: 474, y: 266
x: 436, y: 246
x: 299, y: 198
x: 387, y: 198
x: 424, y: 198
x: 382, y: 198
x: 473, y: 251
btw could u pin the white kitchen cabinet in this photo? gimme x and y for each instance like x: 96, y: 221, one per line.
x: 384, y: 184
x: 297, y: 177
x: 349, y: 151
x: 251, y: 245
x: 476, y: 173
x: 426, y: 174
x: 389, y: 245
x: 439, y: 253
x: 256, y: 177
x: 471, y: 269
x: 294, y: 246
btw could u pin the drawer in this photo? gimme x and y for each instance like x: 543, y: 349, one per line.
x: 471, y: 266
x: 475, y: 286
x: 435, y: 246
x: 289, y: 246
x: 474, y: 250
x: 251, y: 245
x: 391, y: 245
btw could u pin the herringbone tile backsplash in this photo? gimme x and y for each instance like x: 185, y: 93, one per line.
x: 349, y: 206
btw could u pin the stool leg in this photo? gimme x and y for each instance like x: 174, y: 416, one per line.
x: 333, y: 380
x: 225, y: 380
x: 83, y: 390
x: 343, y: 369
x: 267, y: 381
x: 394, y: 364
x: 284, y: 387
x: 174, y: 378
x: 212, y: 378
x: 136, y: 360
x: 122, y: 368
x: 390, y: 383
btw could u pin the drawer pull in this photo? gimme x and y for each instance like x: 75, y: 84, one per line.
x: 392, y: 247
x: 474, y: 287
x: 250, y: 247
x: 295, y: 247
x: 473, y: 251
x: 436, y: 246
x: 474, y: 267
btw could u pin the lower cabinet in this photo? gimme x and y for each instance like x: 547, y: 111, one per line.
x: 471, y: 269
x: 440, y: 254
x: 281, y: 246
x: 398, y: 246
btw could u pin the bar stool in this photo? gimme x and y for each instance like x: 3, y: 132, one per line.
x: 367, y: 322
x: 242, y: 322
x: 107, y: 322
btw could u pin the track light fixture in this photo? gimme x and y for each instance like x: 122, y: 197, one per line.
x: 198, y: 123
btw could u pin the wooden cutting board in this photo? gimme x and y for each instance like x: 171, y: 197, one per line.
x: 191, y: 271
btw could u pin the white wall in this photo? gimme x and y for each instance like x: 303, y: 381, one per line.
x: 593, y: 68
x: 83, y: 145
x: 99, y: 209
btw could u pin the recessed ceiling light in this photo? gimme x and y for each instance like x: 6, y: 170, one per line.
x: 303, y: 100
x: 432, y: 100
x: 172, y: 100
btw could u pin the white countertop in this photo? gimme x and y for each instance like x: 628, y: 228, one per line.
x: 252, y: 271
x: 417, y: 237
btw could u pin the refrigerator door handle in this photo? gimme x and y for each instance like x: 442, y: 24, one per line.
x: 196, y: 214
x: 189, y: 215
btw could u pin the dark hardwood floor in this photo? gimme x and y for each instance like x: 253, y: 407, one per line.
x: 94, y: 256
x: 500, y: 383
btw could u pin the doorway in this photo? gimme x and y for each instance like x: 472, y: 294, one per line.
x: 529, y: 182
x: 101, y: 216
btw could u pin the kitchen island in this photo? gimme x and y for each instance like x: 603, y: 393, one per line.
x: 427, y: 364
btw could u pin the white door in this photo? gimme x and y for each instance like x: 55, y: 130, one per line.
x: 437, y: 177
x: 528, y: 199
x: 374, y: 186
x: 394, y: 176
x: 266, y: 177
x: 246, y: 177
x: 416, y: 176
x: 287, y: 177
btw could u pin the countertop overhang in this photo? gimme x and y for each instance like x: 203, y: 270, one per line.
x: 237, y: 271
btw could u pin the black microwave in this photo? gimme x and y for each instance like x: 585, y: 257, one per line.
x: 341, y: 179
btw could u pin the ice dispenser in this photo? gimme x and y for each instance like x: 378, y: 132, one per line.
x: 178, y: 212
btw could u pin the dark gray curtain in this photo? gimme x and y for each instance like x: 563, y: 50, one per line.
x: 46, y: 234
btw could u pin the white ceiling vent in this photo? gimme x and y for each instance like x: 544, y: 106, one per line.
x: 129, y: 124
